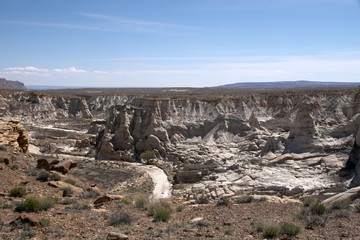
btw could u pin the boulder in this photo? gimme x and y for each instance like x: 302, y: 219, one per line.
x: 44, y: 164
x: 28, y: 219
x: 75, y: 191
x: 64, y: 167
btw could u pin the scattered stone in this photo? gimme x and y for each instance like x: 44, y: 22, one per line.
x: 117, y: 236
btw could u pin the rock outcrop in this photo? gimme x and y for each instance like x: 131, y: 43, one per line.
x: 13, y: 134
x: 303, y: 133
x: 352, y: 167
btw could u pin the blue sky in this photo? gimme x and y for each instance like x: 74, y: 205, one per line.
x: 171, y: 43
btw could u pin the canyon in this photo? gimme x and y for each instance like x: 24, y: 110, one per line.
x: 215, y: 142
x: 192, y: 148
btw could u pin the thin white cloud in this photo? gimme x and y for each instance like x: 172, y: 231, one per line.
x: 69, y: 70
x: 132, y: 22
x: 33, y: 69
x: 59, y: 25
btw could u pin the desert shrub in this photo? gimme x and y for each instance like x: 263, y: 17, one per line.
x: 271, y: 231
x: 90, y: 194
x: 148, y: 155
x: 67, y: 192
x: 289, y: 229
x: 141, y: 203
x: 229, y: 231
x: 161, y: 211
x: 6, y: 206
x: 257, y: 226
x: 357, y: 207
x: 54, y: 177
x: 17, y: 192
x: 244, y: 199
x: 67, y: 201
x: 31, y: 171
x: 3, y: 148
x: 70, y: 181
x: 309, y: 201
x: 48, y: 202
x: 120, y: 217
x: 202, y: 199
x: 29, y: 205
x: 44, y: 222
x: 340, y: 205
x: 203, y: 223
x: 316, y: 221
x: 318, y: 209
x: 80, y: 207
x: 14, y: 167
x: 27, y: 234
x: 224, y: 201
x: 180, y: 208
x: 302, y: 216
x: 125, y: 201
x: 43, y: 176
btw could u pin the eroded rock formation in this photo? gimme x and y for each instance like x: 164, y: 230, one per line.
x: 12, y: 133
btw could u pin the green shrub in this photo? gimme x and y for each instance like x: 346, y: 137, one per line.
x: 120, y: 217
x: 148, y: 155
x: 316, y: 221
x: 161, y: 211
x: 43, y: 176
x: 141, y: 203
x: 229, y: 231
x: 44, y: 222
x: 14, y: 167
x: 54, y: 177
x: 27, y: 234
x: 340, y: 205
x: 31, y: 171
x: 318, y: 209
x: 48, y: 202
x: 257, y: 226
x: 3, y: 148
x: 29, y: 205
x: 357, y: 207
x: 289, y: 229
x: 202, y: 199
x: 17, y: 192
x: 224, y: 201
x: 244, y: 199
x: 70, y: 181
x: 271, y: 231
x: 180, y: 208
x: 125, y: 201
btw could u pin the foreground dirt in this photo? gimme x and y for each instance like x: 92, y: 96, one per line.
x: 77, y: 217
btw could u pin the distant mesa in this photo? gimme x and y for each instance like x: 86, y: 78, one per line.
x: 7, y: 84
x: 289, y: 84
